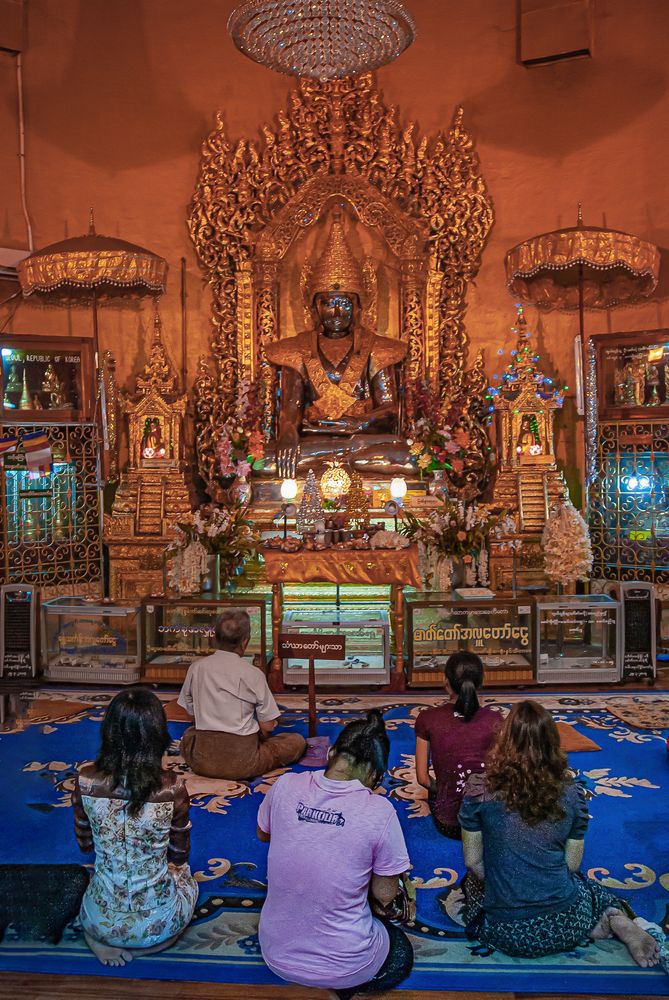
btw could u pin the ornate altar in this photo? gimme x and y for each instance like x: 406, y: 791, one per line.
x: 394, y: 568
x: 528, y: 479
x: 152, y: 494
x: 415, y: 215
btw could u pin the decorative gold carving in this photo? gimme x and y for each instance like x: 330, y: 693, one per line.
x: 111, y: 414
x: 339, y: 141
x: 152, y: 494
x: 158, y: 374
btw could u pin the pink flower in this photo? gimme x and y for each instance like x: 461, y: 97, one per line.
x: 243, y: 468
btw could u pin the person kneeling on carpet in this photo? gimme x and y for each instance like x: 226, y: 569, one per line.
x: 457, y: 737
x: 134, y: 815
x: 317, y: 926
x: 235, y: 711
x: 523, y: 827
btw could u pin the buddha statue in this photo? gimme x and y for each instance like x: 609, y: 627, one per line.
x: 338, y: 380
x: 53, y: 387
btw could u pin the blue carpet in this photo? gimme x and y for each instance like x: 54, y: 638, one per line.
x: 626, y: 849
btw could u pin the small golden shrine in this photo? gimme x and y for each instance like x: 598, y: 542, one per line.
x: 153, y: 493
x: 528, y: 478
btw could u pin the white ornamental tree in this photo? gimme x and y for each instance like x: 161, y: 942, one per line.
x: 566, y: 545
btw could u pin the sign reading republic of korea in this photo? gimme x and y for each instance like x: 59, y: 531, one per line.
x: 312, y: 646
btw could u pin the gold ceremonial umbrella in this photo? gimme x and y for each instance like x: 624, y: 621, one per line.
x: 582, y: 267
x: 85, y: 269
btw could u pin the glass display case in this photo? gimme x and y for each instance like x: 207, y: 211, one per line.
x: 176, y: 631
x: 90, y: 643
x: 499, y: 631
x: 46, y: 379
x: 50, y: 522
x: 632, y: 374
x: 367, y: 633
x: 578, y: 639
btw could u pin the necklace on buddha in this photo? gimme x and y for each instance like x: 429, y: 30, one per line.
x: 335, y: 371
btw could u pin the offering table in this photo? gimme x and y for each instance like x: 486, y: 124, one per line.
x: 396, y: 568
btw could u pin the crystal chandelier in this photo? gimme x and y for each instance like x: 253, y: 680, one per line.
x: 323, y: 39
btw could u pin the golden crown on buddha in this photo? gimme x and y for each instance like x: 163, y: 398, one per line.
x: 337, y: 268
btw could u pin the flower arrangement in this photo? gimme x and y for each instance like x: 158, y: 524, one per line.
x: 241, y: 443
x: 566, y: 545
x: 223, y: 532
x: 437, y: 443
x: 454, y: 530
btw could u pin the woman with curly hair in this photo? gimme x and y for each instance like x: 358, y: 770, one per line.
x: 523, y: 827
x: 134, y: 815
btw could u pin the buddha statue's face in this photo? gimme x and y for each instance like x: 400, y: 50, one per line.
x: 335, y: 312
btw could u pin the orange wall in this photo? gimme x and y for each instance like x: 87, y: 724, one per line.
x: 120, y: 95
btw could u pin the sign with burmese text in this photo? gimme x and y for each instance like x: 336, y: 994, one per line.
x: 312, y: 646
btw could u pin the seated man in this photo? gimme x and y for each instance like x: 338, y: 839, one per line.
x: 235, y: 711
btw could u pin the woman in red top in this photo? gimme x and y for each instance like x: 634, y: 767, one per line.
x: 456, y: 737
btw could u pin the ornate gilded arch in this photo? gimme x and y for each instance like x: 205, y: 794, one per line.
x: 427, y: 198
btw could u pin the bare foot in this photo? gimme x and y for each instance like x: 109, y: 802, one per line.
x: 643, y: 948
x: 602, y: 930
x: 107, y: 954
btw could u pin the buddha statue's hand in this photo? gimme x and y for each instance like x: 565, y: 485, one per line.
x: 287, y: 457
x: 343, y: 425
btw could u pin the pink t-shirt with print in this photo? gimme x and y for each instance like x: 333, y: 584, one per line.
x: 327, y: 838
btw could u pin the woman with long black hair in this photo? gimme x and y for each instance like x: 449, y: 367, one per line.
x: 335, y: 848
x: 134, y: 815
x: 455, y: 738
x: 523, y: 828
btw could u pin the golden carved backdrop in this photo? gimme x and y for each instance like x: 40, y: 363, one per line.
x: 591, y: 130
x: 338, y: 143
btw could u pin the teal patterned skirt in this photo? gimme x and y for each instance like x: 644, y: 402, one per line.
x: 546, y: 934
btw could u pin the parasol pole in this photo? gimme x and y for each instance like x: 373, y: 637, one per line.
x: 184, y: 358
x: 584, y: 372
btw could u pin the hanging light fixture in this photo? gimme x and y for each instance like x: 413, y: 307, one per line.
x: 322, y: 39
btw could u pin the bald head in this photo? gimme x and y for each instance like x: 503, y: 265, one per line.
x: 233, y: 630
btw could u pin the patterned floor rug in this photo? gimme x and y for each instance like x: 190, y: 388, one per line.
x: 626, y: 848
x: 641, y: 712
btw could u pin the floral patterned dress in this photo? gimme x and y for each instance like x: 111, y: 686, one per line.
x: 142, y: 892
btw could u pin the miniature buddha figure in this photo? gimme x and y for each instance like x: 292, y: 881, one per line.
x: 528, y: 441
x: 338, y: 380
x: 630, y: 384
x: 653, y: 385
x: 14, y: 382
x: 52, y: 385
x: 153, y: 445
x: 13, y: 386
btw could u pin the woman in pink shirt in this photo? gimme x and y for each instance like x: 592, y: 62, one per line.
x: 456, y: 737
x: 335, y: 848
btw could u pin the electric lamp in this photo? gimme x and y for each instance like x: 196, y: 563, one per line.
x: 289, y: 489
x: 398, y: 488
